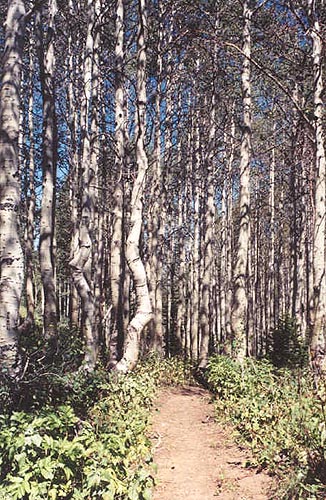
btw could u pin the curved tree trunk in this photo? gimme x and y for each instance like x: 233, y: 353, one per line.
x: 81, y: 262
x: 11, y: 255
x: 143, y: 307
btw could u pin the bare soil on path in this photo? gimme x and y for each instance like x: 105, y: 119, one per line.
x: 195, y: 456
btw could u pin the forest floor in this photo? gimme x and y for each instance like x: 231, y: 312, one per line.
x: 196, y: 457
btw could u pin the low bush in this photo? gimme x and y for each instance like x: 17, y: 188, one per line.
x: 281, y: 416
x: 89, y: 441
x: 53, y: 453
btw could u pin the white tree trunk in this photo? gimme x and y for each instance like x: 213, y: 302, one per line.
x: 31, y: 202
x: 240, y: 302
x: 207, y: 254
x: 156, y: 220
x: 117, y: 253
x: 11, y: 256
x: 318, y: 340
x: 143, y: 307
x: 81, y: 262
x: 49, y: 153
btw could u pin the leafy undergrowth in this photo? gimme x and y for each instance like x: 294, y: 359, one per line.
x: 90, y: 445
x: 281, y: 416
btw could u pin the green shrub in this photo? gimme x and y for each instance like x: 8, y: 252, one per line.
x: 53, y: 453
x: 280, y: 416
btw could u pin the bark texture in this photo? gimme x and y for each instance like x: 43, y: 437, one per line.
x: 11, y: 255
x: 318, y: 339
x: 143, y: 305
x: 240, y: 304
x: 49, y: 160
x: 81, y: 262
x: 117, y: 251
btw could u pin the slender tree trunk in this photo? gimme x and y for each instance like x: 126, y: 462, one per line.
x: 143, y: 306
x: 117, y: 251
x: 11, y: 255
x: 226, y: 250
x: 318, y: 337
x: 240, y: 303
x: 195, y: 296
x: 156, y: 222
x: 207, y: 253
x: 31, y: 200
x: 74, y: 173
x: 81, y: 263
x: 49, y: 153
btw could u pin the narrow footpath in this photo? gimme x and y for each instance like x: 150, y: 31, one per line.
x: 196, y: 458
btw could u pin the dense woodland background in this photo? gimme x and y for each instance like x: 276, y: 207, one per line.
x: 168, y: 147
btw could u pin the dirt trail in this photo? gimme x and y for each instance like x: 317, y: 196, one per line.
x: 195, y: 457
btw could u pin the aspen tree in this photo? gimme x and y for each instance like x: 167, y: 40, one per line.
x: 49, y: 160
x: 208, y: 242
x: 74, y: 171
x: 81, y: 262
x: 11, y: 255
x: 31, y: 202
x: 226, y: 250
x: 240, y: 300
x: 156, y: 221
x: 95, y: 184
x: 143, y: 305
x: 117, y: 251
x: 196, y: 243
x: 270, y: 300
x: 318, y: 336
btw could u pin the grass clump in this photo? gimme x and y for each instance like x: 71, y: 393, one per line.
x: 281, y: 416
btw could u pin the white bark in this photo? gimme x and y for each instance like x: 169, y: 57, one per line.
x: 195, y: 301
x: 74, y: 173
x: 226, y: 250
x: 31, y: 202
x: 143, y: 307
x: 117, y: 254
x: 207, y: 254
x: 318, y: 340
x: 240, y: 303
x: 11, y: 256
x: 156, y: 220
x: 47, y: 236
x: 81, y: 262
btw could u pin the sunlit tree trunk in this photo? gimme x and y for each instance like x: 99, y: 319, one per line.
x: 156, y: 220
x: 240, y: 301
x: 226, y: 243
x: 11, y: 255
x: 49, y: 160
x: 195, y: 274
x: 318, y: 337
x: 143, y: 306
x: 270, y: 304
x: 208, y: 242
x: 81, y: 262
x: 31, y: 201
x: 74, y: 172
x: 117, y: 251
x: 95, y: 190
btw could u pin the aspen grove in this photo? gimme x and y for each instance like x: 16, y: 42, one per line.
x: 162, y: 178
